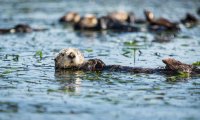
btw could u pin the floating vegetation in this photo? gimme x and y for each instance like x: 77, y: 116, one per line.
x: 8, y: 107
x: 128, y: 52
x: 39, y: 54
x: 178, y: 76
x: 88, y: 50
x: 5, y: 73
x: 130, y: 43
x: 196, y: 63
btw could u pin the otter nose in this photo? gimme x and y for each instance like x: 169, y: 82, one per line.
x: 71, y: 55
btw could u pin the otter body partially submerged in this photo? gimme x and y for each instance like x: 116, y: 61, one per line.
x: 73, y: 59
x: 160, y: 24
x: 189, y: 20
x: 20, y: 28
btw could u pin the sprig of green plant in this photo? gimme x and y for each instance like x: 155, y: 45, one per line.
x: 5, y: 73
x: 130, y: 43
x: 39, y: 53
x: 88, y: 50
x: 196, y: 63
x: 179, y: 76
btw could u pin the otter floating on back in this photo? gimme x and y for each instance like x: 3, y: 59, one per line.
x: 160, y: 24
x: 20, y: 28
x: 70, y: 17
x: 73, y: 59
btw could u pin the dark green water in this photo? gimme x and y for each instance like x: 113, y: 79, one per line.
x: 30, y: 88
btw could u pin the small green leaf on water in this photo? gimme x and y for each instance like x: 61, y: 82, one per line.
x: 130, y: 43
x: 196, y: 63
x: 51, y: 90
x: 5, y: 73
x: 89, y: 50
x: 39, y: 53
x: 180, y: 75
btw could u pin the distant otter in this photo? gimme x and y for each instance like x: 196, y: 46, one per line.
x: 88, y: 22
x: 161, y: 23
x: 189, y: 20
x: 73, y: 59
x: 70, y: 17
x: 20, y: 28
x: 122, y: 16
x: 117, y: 25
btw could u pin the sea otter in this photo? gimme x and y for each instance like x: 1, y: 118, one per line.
x: 119, y: 25
x: 88, y: 22
x: 70, y: 17
x: 122, y: 16
x: 20, y: 28
x: 73, y: 59
x: 189, y: 20
x: 160, y: 24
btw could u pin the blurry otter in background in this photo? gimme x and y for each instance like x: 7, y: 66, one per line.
x: 70, y: 17
x: 122, y: 16
x: 118, y: 21
x: 88, y: 22
x: 20, y: 28
x: 189, y: 20
x: 160, y: 24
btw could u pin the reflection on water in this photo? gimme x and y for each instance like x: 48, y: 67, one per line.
x: 70, y: 80
x: 30, y: 88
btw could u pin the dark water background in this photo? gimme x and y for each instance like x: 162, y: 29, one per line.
x: 30, y: 88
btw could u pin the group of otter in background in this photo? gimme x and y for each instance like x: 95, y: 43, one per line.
x: 125, y: 22
x: 116, y: 21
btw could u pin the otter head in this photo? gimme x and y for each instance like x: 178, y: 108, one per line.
x: 89, y: 20
x: 72, y: 17
x: 149, y: 15
x: 69, y: 58
x: 119, y: 16
x: 21, y: 28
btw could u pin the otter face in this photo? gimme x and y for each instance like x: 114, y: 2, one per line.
x: 72, y: 17
x: 69, y: 58
x: 89, y: 20
x: 149, y: 15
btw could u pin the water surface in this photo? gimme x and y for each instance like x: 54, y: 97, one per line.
x: 30, y: 88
